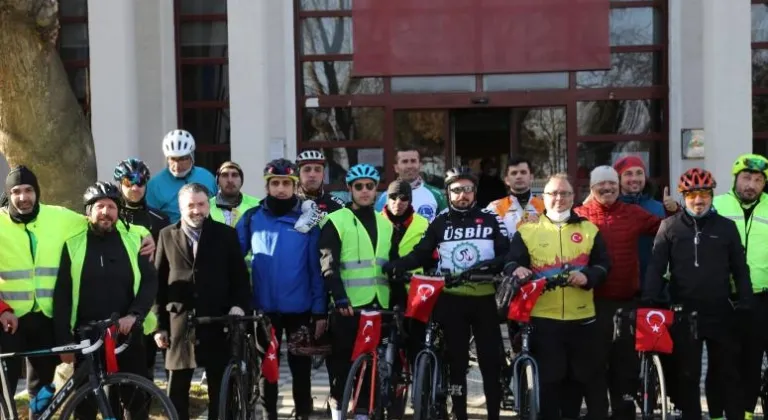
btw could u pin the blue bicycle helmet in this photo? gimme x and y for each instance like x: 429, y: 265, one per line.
x: 134, y: 169
x: 362, y: 171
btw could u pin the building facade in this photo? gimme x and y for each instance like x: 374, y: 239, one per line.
x: 254, y: 80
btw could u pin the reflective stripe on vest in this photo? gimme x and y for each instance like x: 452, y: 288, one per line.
x: 77, y: 247
x: 218, y: 215
x: 727, y: 205
x: 361, y: 271
x: 25, y: 282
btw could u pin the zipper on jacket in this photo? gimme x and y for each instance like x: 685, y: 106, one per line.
x: 31, y: 244
x: 562, y: 291
x: 696, y: 241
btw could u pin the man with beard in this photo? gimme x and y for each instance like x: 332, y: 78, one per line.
x: 747, y: 206
x: 163, y: 188
x: 230, y: 204
x: 562, y: 243
x: 132, y: 176
x: 101, y: 273
x: 32, y: 235
x: 702, y: 251
x: 621, y: 226
x: 200, y: 270
x: 311, y: 165
x: 465, y: 236
x: 428, y: 201
x: 353, y: 241
x: 520, y: 205
x: 637, y: 189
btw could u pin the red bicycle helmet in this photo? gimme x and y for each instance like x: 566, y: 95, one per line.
x: 696, y: 179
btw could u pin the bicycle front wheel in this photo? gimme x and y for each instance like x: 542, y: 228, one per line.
x: 422, y: 388
x: 127, y: 393
x: 233, y: 403
x: 356, y: 388
x: 655, y: 391
x: 529, y: 392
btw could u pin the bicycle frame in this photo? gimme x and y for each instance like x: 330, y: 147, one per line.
x: 85, y: 373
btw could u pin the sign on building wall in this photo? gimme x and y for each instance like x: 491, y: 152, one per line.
x: 693, y: 143
x: 418, y: 38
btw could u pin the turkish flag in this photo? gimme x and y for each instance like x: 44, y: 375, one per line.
x: 525, y: 299
x: 270, y: 366
x: 652, y: 330
x: 368, y: 333
x: 422, y: 296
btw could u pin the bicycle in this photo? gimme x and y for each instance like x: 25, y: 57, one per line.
x: 239, y: 393
x: 388, y: 391
x: 430, y: 386
x: 651, y: 395
x: 90, y: 380
x: 475, y: 392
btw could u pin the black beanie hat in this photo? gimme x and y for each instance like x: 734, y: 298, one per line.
x: 21, y: 175
x: 400, y: 188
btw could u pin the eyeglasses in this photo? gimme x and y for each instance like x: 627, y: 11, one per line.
x: 133, y: 179
x: 697, y: 193
x: 370, y: 186
x: 563, y: 194
x: 462, y: 189
x: 753, y: 164
x: 400, y: 197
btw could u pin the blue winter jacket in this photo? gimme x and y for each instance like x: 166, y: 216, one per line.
x: 285, y: 270
x: 645, y: 244
x: 163, y: 189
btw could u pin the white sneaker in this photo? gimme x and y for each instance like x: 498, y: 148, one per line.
x: 310, y: 217
x: 361, y: 417
x: 335, y: 414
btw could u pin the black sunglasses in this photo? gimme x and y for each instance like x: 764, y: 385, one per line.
x: 370, y: 186
x: 463, y: 189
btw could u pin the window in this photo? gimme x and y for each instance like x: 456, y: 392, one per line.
x: 567, y: 121
x: 202, y: 78
x: 760, y: 76
x: 74, y: 48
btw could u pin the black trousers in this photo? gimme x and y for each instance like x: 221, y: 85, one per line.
x: 565, y: 352
x: 753, y: 339
x: 460, y: 317
x: 619, y: 357
x: 131, y: 360
x: 723, y: 354
x: 180, y: 380
x: 35, y: 331
x: 301, y: 369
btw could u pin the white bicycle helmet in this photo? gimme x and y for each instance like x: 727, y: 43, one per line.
x: 178, y: 143
x: 310, y: 156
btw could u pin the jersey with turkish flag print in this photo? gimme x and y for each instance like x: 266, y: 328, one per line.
x: 652, y: 330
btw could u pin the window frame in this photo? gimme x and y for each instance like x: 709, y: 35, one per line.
x: 71, y: 66
x: 567, y: 98
x: 758, y: 137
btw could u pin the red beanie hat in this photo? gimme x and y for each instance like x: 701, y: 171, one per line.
x: 627, y: 162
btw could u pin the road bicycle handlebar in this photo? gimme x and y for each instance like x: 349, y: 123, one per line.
x: 224, y: 319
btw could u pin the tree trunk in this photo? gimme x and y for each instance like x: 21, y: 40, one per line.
x: 41, y: 123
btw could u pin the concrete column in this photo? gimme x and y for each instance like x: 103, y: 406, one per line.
x: 249, y: 100
x: 727, y: 66
x: 113, y: 82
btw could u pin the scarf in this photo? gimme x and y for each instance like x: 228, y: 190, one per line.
x: 193, y: 235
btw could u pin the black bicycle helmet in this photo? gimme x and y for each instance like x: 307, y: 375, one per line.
x: 134, y: 169
x: 101, y: 190
x: 459, y: 172
x: 303, y: 343
x: 281, y: 167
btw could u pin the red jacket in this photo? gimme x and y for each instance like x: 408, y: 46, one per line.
x: 621, y: 225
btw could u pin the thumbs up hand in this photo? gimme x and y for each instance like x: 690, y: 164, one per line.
x: 670, y: 204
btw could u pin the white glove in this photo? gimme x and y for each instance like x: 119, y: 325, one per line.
x: 310, y: 217
x: 235, y: 310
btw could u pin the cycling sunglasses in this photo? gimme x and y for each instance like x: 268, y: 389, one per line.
x: 757, y: 165
x: 463, y: 189
x: 370, y: 186
x: 697, y: 193
x: 134, y: 179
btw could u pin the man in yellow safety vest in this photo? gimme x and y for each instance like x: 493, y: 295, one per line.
x: 229, y: 204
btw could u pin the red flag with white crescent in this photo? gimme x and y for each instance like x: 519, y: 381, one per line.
x: 652, y: 330
x: 270, y: 366
x: 368, y: 333
x: 422, y: 296
x: 525, y: 299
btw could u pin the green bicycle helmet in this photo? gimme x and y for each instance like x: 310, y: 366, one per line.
x: 362, y: 171
x: 750, y: 162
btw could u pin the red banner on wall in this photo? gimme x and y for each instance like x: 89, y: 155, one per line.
x: 430, y: 37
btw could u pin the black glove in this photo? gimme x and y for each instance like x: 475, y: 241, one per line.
x: 389, y: 268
